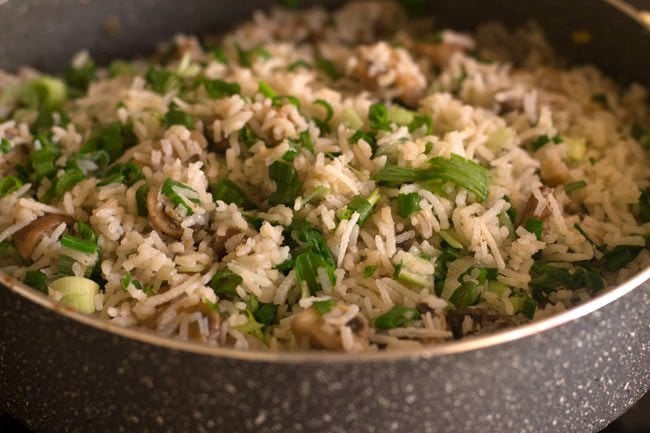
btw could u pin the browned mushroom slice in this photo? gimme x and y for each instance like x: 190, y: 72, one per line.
x: 438, y: 52
x: 309, y: 324
x: 483, y: 321
x: 159, y: 219
x: 27, y: 238
x: 530, y: 210
x: 214, y: 323
x: 553, y: 170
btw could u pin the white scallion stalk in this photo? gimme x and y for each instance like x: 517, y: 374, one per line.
x: 450, y: 237
x: 351, y: 118
x: 76, y: 292
x: 400, y: 115
x: 454, y: 271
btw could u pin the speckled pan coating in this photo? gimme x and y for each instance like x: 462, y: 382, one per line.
x: 60, y: 375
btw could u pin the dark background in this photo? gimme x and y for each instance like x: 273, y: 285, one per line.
x: 636, y: 420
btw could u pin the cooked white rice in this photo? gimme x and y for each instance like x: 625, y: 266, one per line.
x: 432, y: 261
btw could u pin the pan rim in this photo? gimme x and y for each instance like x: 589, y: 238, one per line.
x: 438, y: 350
x: 465, y: 345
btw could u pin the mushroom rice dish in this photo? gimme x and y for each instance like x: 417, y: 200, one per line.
x: 313, y: 180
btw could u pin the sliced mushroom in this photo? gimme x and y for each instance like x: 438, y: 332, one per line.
x: 438, y: 52
x: 159, y: 219
x: 309, y: 324
x: 27, y: 238
x: 553, y: 170
x: 530, y: 210
x: 214, y: 323
x: 484, y: 320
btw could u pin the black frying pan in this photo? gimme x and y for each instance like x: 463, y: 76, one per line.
x: 62, y: 371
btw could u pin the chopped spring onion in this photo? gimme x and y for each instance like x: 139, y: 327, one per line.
x: 119, y: 67
x: 363, y: 206
x: 400, y: 116
x: 369, y: 270
x: 128, y: 173
x: 247, y: 57
x: 162, y: 81
x: 328, y: 68
x: 304, y: 140
x: 248, y: 136
x: 589, y: 278
x: 94, y: 162
x: 397, y: 317
x: 141, y: 200
x: 9, y: 184
x: 229, y: 192
x: 266, y: 90
x: 324, y: 307
x: 547, y: 278
x: 641, y: 134
x: 585, y: 235
x: 576, y: 148
x: 287, y: 183
x: 44, y: 92
x: 644, y: 205
x: 266, y: 314
x: 420, y: 120
x: 113, y: 139
x: 42, y: 161
x: 544, y: 139
x: 620, y: 256
x: 225, y: 282
x: 454, y: 271
x: 70, y: 178
x: 573, y: 186
x: 81, y: 245
x: 329, y: 112
x: 5, y: 145
x: 496, y: 287
x: 413, y: 269
x: 465, y: 295
x: 178, y: 117
x: 351, y: 119
x: 522, y: 303
x: 368, y: 138
x: 449, y: 236
x: 217, y: 89
x: 252, y: 327
x: 535, y: 226
x: 511, y: 212
x: 298, y: 64
x: 36, y: 280
x: 499, y: 138
x: 86, y: 232
x: 378, y: 117
x: 600, y: 98
x: 307, y: 265
x: 219, y: 55
x: 408, y: 204
x: 77, y: 292
x: 180, y: 195
x: 78, y: 78
x: 278, y: 101
x: 316, y: 194
x: 463, y: 172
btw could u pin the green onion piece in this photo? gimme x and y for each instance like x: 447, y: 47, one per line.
x: 86, y: 232
x: 217, y: 89
x: 77, y: 244
x: 178, y: 117
x: 535, y: 226
x: 397, y: 317
x: 306, y: 267
x: 408, y: 204
x: 309, y: 238
x: 42, y: 162
x: 544, y: 139
x: 287, y: 183
x: 229, y: 192
x: 329, y: 112
x: 465, y: 295
x: 316, y: 194
x: 351, y: 119
x: 219, y: 55
x: 266, y: 314
x: 119, y: 67
x: 94, y: 162
x: 126, y: 281
x: 44, y: 92
x: 5, y: 145
x: 162, y: 81
x: 363, y: 206
x: 305, y: 141
x: 450, y: 237
x: 77, y: 292
x: 378, y: 117
x: 298, y: 64
x: 547, y: 278
x: 324, y: 307
x: 576, y: 148
x: 584, y: 235
x: 113, y: 139
x: 641, y: 134
x: 589, y: 278
x: 573, y: 186
x: 522, y: 303
x: 360, y: 135
x: 252, y: 327
x: 141, y: 200
x: 400, y: 116
x: 128, y: 174
x: 600, y: 98
x: 225, y: 282
x: 420, y: 120
x: 511, y: 212
x: 70, y: 178
x: 617, y: 258
x: 79, y: 78
x: 278, y: 101
x: 266, y: 90
x: 328, y: 68
x: 369, y: 270
x: 644, y: 205
x: 9, y: 184
x: 248, y: 136
x: 398, y: 175
x: 36, y: 280
x: 496, y: 287
x: 247, y: 57
x: 180, y: 195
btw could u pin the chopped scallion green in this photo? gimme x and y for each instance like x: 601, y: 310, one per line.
x: 369, y: 270
x: 573, y: 186
x: 229, y: 192
x: 180, y: 195
x: 361, y: 205
x: 77, y: 244
x: 535, y: 226
x: 397, y: 317
x: 141, y: 200
x: 217, y: 89
x: 9, y: 184
x: 225, y: 282
x: 324, y: 307
x: 287, y: 183
x: 162, y: 81
x: 36, y: 280
x: 408, y: 204
x: 178, y: 117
